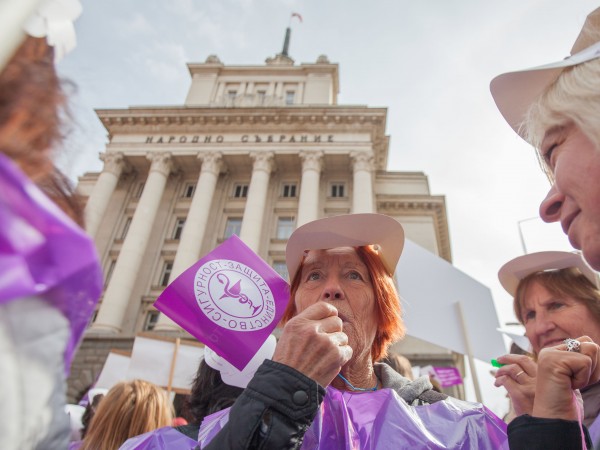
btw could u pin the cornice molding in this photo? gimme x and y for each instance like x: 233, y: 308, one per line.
x: 144, y: 118
x: 269, y: 120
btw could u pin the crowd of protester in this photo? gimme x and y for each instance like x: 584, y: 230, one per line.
x: 343, y: 312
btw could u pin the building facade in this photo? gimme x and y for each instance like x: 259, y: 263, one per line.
x: 255, y: 151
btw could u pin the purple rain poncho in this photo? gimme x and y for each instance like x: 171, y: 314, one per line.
x: 165, y: 438
x: 382, y: 420
x: 44, y: 254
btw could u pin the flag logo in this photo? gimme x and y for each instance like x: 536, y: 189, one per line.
x: 233, y: 295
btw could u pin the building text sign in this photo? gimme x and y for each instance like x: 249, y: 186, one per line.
x: 244, y: 139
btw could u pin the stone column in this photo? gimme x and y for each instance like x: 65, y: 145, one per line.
x: 220, y: 91
x: 114, y: 163
x: 362, y: 165
x: 118, y: 293
x: 308, y: 205
x: 193, y: 231
x: 257, y: 197
x: 300, y: 93
x: 279, y: 89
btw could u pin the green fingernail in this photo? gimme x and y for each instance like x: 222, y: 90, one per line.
x: 495, y: 363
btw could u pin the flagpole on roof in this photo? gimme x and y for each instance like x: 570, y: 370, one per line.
x: 286, y: 42
x: 288, y: 34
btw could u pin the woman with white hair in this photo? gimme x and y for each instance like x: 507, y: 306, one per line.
x: 556, y: 108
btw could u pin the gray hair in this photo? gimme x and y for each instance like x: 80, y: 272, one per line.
x: 574, y: 97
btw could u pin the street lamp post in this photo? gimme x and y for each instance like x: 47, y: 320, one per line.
x: 519, y: 222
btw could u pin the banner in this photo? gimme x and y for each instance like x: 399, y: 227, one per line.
x: 430, y: 288
x: 168, y: 362
x: 114, y: 370
x: 445, y: 376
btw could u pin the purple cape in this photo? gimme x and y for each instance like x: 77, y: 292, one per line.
x: 44, y: 254
x: 166, y: 438
x: 382, y: 420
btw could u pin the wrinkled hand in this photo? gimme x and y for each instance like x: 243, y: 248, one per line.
x: 313, y: 343
x: 559, y: 373
x: 518, y: 376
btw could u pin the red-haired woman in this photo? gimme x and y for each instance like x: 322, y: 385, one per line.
x: 343, y: 314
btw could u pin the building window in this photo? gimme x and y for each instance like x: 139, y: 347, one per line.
x: 178, y: 229
x: 288, y: 190
x: 233, y: 226
x: 138, y: 190
x: 285, y: 227
x: 281, y: 268
x: 240, y: 190
x: 188, y: 190
x: 289, y: 97
x: 151, y: 320
x: 338, y: 190
x: 165, y: 274
x: 231, y: 95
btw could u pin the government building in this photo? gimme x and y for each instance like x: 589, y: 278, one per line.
x: 254, y: 151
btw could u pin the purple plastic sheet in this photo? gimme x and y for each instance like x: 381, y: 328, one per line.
x: 594, y: 430
x: 211, y: 425
x: 231, y: 300
x: 166, y: 438
x: 43, y: 253
x: 382, y: 420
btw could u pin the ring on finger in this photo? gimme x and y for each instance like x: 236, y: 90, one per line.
x: 517, y: 375
x: 573, y: 345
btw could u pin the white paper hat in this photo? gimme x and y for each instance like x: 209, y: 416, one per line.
x: 515, y: 92
x: 511, y: 273
x: 54, y: 20
x: 349, y: 230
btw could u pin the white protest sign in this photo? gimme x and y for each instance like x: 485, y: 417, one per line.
x: 165, y: 362
x: 114, y: 370
x: 519, y: 339
x: 430, y: 288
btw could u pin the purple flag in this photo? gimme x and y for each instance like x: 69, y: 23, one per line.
x: 447, y: 376
x: 231, y: 300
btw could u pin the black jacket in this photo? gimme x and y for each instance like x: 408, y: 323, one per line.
x: 532, y: 433
x: 274, y: 411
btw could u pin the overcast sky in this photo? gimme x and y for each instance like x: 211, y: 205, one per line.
x: 428, y: 61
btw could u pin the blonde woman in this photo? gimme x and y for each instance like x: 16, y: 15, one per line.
x: 130, y: 408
